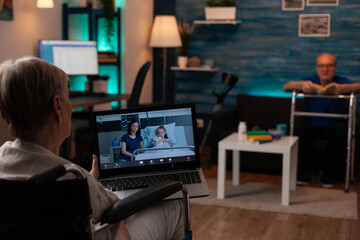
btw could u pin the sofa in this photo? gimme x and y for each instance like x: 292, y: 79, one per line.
x: 263, y: 113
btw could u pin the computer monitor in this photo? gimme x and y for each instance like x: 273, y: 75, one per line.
x: 73, y: 57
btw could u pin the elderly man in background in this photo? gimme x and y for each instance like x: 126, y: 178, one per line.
x: 334, y: 130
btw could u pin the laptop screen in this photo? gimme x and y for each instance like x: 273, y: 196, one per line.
x: 165, y: 138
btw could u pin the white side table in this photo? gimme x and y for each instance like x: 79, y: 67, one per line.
x: 287, y: 146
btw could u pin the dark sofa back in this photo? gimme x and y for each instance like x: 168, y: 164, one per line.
x: 264, y: 112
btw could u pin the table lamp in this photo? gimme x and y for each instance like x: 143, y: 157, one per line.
x: 165, y: 34
x: 44, y: 3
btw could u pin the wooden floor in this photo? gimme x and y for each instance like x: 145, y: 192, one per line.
x: 215, y: 223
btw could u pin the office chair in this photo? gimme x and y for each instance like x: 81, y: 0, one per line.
x: 139, y: 82
x: 42, y: 208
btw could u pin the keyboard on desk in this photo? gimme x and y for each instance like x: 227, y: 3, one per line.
x: 119, y: 184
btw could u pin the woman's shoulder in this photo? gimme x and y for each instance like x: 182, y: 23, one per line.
x: 124, y: 137
x: 22, y: 159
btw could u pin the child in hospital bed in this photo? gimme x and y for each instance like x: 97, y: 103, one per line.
x: 161, y: 139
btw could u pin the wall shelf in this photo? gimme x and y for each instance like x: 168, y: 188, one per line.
x: 196, y: 69
x: 210, y: 22
x: 93, y: 25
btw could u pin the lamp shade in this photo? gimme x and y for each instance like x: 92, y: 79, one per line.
x: 45, y: 4
x: 165, y: 32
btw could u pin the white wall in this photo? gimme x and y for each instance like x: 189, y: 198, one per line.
x: 138, y: 22
x: 20, y: 36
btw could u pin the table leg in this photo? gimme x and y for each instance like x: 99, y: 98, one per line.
x: 236, y: 167
x: 293, y: 166
x: 285, y: 188
x: 221, y: 173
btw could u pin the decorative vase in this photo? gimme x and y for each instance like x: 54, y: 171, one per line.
x: 194, y: 62
x: 220, y: 13
x: 182, y: 61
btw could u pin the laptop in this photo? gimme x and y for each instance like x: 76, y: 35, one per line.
x: 177, y: 160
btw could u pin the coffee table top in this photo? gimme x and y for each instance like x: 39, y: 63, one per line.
x: 283, y: 145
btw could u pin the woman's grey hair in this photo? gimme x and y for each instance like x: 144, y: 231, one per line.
x: 27, y: 86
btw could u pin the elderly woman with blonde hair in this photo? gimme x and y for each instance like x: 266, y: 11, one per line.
x: 34, y: 101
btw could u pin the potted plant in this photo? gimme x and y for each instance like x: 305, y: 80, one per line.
x: 185, y: 30
x: 220, y: 10
x: 108, y: 7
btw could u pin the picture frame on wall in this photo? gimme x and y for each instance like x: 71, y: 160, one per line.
x: 322, y: 3
x: 6, y: 10
x: 293, y: 5
x: 314, y: 25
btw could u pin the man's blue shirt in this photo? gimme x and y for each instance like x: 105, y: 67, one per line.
x: 325, y: 105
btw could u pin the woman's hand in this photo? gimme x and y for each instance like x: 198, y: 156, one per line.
x: 95, y: 167
x: 123, y: 232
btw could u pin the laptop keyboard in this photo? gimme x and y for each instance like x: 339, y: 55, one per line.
x: 120, y: 184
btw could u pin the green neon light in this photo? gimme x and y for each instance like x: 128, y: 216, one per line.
x: 268, y: 93
x: 102, y: 44
x: 120, y: 3
x: 77, y: 83
x: 80, y: 31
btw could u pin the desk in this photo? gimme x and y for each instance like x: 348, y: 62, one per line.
x: 91, y: 100
x: 287, y: 146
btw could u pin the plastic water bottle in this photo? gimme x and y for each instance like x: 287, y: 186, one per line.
x: 115, y: 143
x: 241, y: 129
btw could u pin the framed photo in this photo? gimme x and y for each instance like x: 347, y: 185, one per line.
x: 314, y: 25
x: 293, y: 5
x: 6, y: 10
x: 322, y: 3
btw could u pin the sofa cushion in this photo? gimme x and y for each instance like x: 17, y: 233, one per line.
x: 264, y: 112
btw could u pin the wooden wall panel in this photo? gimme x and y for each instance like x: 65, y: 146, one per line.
x: 265, y: 50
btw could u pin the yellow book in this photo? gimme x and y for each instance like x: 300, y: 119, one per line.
x: 260, y: 137
x: 328, y: 89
